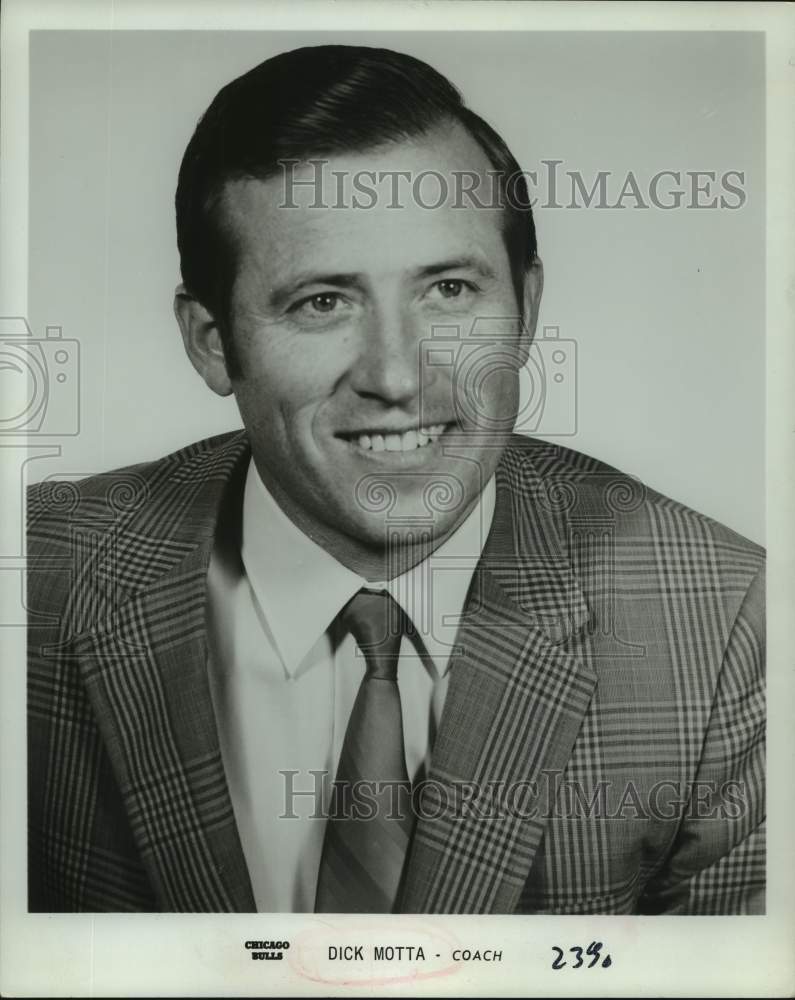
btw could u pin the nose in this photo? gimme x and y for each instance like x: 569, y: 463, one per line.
x: 387, y: 365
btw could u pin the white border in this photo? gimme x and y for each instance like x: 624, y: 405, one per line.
x: 115, y: 954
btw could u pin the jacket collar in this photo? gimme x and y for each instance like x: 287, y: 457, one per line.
x: 171, y: 521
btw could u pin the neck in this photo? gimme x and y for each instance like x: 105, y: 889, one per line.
x: 385, y: 561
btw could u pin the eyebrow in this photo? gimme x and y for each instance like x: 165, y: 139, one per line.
x: 467, y: 263
x: 281, y: 294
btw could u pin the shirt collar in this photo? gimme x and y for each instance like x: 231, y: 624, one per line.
x: 301, y: 588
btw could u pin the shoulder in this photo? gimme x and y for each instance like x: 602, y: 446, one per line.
x: 91, y: 543
x: 585, y: 493
x: 129, y: 490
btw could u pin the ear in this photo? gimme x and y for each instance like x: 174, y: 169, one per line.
x: 533, y: 287
x: 202, y: 341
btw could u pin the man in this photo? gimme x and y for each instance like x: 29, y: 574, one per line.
x: 536, y: 684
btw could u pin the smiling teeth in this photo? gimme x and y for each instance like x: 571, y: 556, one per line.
x: 407, y: 441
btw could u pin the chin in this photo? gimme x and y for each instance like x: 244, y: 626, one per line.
x: 403, y: 500
x: 407, y: 530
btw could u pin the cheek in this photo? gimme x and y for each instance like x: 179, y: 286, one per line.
x: 485, y: 388
x: 285, y: 383
x: 501, y: 403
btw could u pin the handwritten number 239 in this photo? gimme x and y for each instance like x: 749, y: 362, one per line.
x: 594, y: 951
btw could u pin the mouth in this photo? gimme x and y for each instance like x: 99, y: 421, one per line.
x: 383, y: 439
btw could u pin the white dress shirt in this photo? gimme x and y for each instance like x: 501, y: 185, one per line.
x: 283, y: 689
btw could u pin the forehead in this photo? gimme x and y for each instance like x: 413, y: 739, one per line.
x: 382, y: 209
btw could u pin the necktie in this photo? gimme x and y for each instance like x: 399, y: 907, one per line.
x: 370, y: 822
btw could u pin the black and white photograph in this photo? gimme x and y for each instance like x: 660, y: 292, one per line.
x: 397, y: 450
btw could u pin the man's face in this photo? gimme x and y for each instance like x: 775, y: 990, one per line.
x: 359, y: 427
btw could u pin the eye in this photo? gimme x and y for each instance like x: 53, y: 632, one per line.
x: 452, y: 293
x: 323, y: 302
x: 451, y: 288
x: 320, y: 307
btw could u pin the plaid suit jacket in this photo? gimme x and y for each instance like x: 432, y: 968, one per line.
x: 600, y: 749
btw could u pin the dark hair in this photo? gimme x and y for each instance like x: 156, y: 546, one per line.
x: 310, y: 102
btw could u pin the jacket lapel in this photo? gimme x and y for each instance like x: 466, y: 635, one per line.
x: 515, y: 703
x: 145, y: 669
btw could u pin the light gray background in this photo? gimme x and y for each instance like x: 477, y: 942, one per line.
x: 667, y: 307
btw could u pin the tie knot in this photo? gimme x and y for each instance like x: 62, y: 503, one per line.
x: 377, y: 623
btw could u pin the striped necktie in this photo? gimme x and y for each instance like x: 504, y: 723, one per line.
x: 370, y: 822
